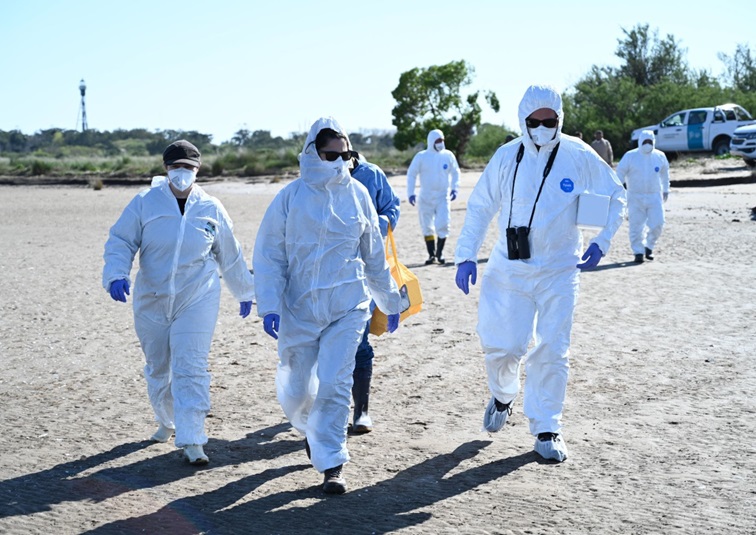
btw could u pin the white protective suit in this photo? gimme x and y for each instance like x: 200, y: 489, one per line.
x: 177, y: 295
x: 515, y: 295
x: 318, y: 258
x: 439, y: 173
x: 647, y: 179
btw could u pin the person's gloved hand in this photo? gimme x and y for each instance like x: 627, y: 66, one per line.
x: 119, y: 290
x: 245, y: 307
x: 467, y: 272
x: 271, y: 323
x: 453, y: 195
x: 412, y: 199
x: 592, y: 257
x: 665, y: 196
x: 393, y: 322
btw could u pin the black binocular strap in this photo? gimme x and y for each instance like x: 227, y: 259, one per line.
x: 546, y: 171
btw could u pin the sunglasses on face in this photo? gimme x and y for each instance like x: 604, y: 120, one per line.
x: 535, y: 123
x: 333, y: 155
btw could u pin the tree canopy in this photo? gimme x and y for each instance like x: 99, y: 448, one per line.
x: 429, y: 98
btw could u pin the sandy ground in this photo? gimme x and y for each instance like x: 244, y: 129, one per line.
x: 659, y: 416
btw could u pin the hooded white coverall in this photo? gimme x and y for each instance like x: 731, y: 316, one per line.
x: 439, y: 173
x: 647, y: 179
x: 318, y: 259
x: 177, y: 295
x: 541, y: 292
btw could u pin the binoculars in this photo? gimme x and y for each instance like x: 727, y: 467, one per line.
x: 518, y: 244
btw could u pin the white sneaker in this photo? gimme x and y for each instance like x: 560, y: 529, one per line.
x: 495, y: 417
x: 163, y: 434
x: 195, y: 455
x: 551, y: 446
x: 363, y: 424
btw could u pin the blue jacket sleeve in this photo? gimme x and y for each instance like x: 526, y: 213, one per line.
x: 386, y: 202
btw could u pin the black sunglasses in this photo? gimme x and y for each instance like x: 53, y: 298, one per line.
x: 333, y: 155
x: 535, y: 123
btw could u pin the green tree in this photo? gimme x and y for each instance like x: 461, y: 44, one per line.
x: 487, y: 139
x: 649, y: 60
x: 429, y: 98
x: 740, y: 69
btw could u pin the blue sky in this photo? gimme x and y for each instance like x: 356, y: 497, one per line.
x: 220, y: 66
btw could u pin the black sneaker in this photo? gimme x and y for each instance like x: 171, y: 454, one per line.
x: 430, y: 260
x: 639, y: 259
x: 333, y: 481
x: 649, y: 254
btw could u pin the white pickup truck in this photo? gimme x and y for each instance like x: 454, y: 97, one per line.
x: 698, y: 129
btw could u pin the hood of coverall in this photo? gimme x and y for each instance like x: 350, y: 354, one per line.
x: 535, y: 98
x: 433, y: 135
x: 644, y: 135
x: 319, y: 173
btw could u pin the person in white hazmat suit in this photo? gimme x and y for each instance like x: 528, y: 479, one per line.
x: 645, y: 172
x: 439, y: 183
x: 531, y: 283
x: 318, y: 259
x: 184, y: 237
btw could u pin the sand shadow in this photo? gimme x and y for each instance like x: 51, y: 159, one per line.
x: 388, y: 505
x: 39, y: 491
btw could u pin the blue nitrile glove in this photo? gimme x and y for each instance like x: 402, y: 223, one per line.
x: 453, y: 195
x: 271, y: 323
x: 119, y: 290
x: 592, y: 257
x: 467, y: 272
x: 393, y: 322
x: 412, y: 199
x: 245, y: 307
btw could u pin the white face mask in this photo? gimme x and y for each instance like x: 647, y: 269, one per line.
x: 647, y: 148
x: 439, y: 146
x: 181, y: 178
x: 542, y: 135
x: 339, y: 167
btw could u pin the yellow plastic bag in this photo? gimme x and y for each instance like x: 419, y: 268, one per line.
x: 409, y: 288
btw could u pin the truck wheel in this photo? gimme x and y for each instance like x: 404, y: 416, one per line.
x: 721, y: 147
x: 750, y: 162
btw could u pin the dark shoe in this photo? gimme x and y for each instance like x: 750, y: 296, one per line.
x: 639, y: 259
x: 430, y: 260
x: 307, y: 449
x: 334, y: 482
x: 440, y: 250
x: 649, y: 254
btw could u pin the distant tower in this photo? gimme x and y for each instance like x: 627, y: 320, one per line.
x: 83, y: 89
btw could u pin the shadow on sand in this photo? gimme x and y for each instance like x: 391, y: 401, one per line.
x: 386, y: 506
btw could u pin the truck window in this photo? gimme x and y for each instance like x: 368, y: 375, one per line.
x: 741, y: 114
x: 677, y: 119
x: 719, y: 116
x: 697, y: 117
x: 730, y: 114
